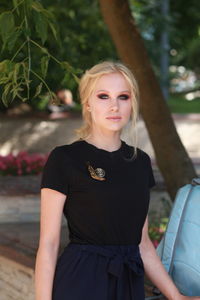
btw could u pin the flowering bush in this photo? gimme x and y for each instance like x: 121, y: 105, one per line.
x: 22, y: 163
x: 156, y: 231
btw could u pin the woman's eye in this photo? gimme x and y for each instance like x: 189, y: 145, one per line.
x: 103, y: 96
x: 124, y: 97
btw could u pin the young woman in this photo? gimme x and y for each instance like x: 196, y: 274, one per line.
x: 102, y: 186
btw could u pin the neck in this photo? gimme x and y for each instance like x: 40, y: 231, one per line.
x: 109, y: 143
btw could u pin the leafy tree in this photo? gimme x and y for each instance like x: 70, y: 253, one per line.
x: 172, y: 158
x: 39, y: 48
x: 186, y: 35
x: 74, y: 31
x: 23, y: 76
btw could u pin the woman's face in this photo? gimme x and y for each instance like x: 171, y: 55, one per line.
x: 110, y: 103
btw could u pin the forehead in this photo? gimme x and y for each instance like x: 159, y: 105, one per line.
x: 112, y: 81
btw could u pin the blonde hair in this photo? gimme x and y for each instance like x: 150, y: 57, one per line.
x: 87, y: 85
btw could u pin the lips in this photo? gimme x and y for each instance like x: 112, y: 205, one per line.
x: 114, y: 118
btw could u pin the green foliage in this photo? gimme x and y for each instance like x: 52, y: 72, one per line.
x: 47, y: 53
x: 44, y: 65
x: 185, y: 35
x: 157, y: 230
x: 178, y: 104
x: 13, y: 77
x: 43, y: 20
x: 17, y: 25
x: 84, y: 39
x: 7, y: 29
x: 192, y: 56
x: 46, y: 38
x: 149, y: 19
x: 182, y: 23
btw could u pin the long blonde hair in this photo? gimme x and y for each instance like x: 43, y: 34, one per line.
x: 87, y: 85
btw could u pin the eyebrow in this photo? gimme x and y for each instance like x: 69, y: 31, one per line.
x: 126, y: 91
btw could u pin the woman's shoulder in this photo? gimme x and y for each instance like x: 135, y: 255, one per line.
x: 143, y: 153
x: 66, y: 149
x: 140, y: 152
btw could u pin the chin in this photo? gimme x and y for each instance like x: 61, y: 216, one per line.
x: 114, y: 128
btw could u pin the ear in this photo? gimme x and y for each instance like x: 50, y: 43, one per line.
x: 88, y: 107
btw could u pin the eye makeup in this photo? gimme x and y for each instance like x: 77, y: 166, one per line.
x: 124, y: 96
x: 106, y: 96
x: 102, y: 96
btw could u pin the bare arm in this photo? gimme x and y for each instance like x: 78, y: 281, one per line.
x: 155, y: 270
x: 52, y: 203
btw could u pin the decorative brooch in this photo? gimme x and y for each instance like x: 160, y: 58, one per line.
x: 98, y: 173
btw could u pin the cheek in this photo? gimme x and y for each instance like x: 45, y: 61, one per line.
x: 127, y: 109
x: 97, y: 111
x: 99, y: 108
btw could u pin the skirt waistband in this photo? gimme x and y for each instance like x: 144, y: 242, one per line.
x: 119, y: 255
x: 121, y: 249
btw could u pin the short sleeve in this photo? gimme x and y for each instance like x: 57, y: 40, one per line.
x: 152, y: 182
x: 54, y: 175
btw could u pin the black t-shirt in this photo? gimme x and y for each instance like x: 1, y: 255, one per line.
x: 103, y: 212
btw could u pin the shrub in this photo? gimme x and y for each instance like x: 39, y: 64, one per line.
x: 22, y: 164
x: 156, y: 231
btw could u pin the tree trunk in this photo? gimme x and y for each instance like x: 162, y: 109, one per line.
x: 172, y: 158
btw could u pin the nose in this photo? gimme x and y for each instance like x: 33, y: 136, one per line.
x: 114, y: 104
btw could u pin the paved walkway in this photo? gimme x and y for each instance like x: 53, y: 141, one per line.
x: 188, y: 128
x: 23, y: 239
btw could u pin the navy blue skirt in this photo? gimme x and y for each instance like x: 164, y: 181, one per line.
x: 99, y: 272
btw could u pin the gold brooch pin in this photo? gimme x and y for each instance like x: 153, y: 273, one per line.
x: 97, y: 173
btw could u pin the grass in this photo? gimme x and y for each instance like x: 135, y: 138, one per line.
x: 178, y: 104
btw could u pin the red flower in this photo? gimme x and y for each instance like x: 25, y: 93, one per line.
x: 22, y: 164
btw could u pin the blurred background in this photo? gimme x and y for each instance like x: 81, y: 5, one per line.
x: 45, y: 47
